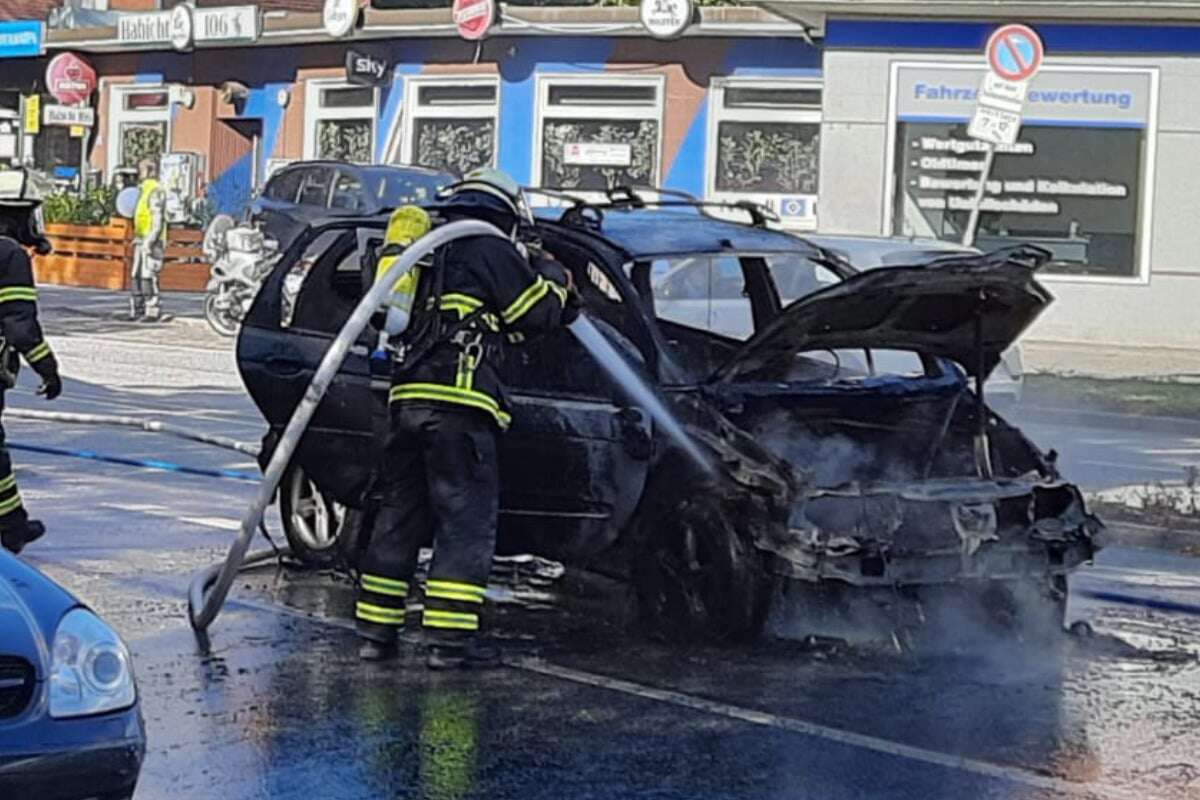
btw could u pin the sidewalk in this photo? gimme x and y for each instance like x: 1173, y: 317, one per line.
x: 1110, y: 362
x: 68, y: 311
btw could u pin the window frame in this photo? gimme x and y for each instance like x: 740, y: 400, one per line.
x: 414, y: 112
x: 314, y: 114
x: 777, y: 115
x: 118, y: 116
x: 544, y: 111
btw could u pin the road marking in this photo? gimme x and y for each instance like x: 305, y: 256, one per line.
x: 863, y: 741
x: 217, y: 523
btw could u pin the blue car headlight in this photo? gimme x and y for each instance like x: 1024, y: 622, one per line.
x: 90, y: 669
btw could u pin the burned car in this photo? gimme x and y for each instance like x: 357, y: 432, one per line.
x: 848, y: 456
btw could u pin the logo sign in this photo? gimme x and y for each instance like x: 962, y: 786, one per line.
x: 21, y: 38
x: 795, y: 207
x: 70, y: 79
x: 1015, y: 52
x: 226, y: 24
x: 364, y: 69
x: 33, y: 114
x: 666, y: 19
x: 339, y: 17
x: 597, y: 154
x: 473, y: 18
x: 182, y: 26
x: 72, y: 116
x: 152, y: 28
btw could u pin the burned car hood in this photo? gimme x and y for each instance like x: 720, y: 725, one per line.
x: 929, y: 309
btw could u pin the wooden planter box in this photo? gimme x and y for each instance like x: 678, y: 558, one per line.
x: 99, y: 256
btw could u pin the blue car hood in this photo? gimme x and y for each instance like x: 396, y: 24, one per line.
x: 30, y: 607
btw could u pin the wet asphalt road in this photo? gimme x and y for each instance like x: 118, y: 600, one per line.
x: 281, y: 708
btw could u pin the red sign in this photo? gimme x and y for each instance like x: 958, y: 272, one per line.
x: 474, y: 17
x: 1015, y: 52
x: 70, y: 79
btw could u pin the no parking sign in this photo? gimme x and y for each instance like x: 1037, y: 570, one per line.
x: 1015, y: 52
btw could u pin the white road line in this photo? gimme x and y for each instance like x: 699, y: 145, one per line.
x: 863, y: 741
x: 217, y: 523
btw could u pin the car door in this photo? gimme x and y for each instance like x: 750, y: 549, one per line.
x: 575, y: 460
x: 314, y: 297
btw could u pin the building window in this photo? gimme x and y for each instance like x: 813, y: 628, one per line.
x: 765, y: 142
x: 138, y: 128
x: 339, y: 122
x: 452, y: 125
x: 1073, y: 183
x: 598, y: 135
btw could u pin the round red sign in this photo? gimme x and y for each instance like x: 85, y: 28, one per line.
x: 473, y: 17
x: 1015, y: 52
x: 70, y: 79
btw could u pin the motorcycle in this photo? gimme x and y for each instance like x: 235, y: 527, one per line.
x: 240, y: 257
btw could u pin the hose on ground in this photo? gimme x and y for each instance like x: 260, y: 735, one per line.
x: 148, y: 425
x: 208, y: 590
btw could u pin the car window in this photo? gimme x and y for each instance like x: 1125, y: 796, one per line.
x: 314, y: 187
x: 284, y: 186
x: 347, y: 192
x: 702, y: 291
x: 851, y: 365
x: 394, y: 188
x: 324, y: 296
x: 796, y: 276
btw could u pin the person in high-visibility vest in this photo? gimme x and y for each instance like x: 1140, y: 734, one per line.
x: 149, y: 244
x: 20, y: 336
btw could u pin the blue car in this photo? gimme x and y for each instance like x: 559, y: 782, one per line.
x: 70, y: 725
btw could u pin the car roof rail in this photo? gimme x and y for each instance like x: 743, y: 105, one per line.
x: 590, y: 213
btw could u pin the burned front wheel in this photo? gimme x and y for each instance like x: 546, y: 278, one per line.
x: 697, y: 575
x: 312, y: 521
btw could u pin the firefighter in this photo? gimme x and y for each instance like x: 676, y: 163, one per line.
x: 149, y: 244
x: 20, y: 333
x: 439, y: 472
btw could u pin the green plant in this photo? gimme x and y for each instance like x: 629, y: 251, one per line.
x: 92, y: 207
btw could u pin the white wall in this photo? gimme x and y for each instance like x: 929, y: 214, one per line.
x: 855, y: 191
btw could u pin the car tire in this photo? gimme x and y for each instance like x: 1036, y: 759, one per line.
x: 312, y: 521
x: 698, y: 575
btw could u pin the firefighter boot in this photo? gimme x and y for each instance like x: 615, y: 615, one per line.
x: 461, y: 652
x: 15, y: 538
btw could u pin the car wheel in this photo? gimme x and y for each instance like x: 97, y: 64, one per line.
x: 312, y: 521
x: 698, y: 575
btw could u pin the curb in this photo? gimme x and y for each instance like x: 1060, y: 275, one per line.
x: 1102, y: 419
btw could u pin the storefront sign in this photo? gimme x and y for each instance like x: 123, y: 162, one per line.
x: 364, y: 69
x: 666, y: 19
x: 597, y: 154
x: 21, y: 38
x: 473, y: 18
x: 33, y: 115
x: 339, y: 17
x: 184, y: 26
x: 1072, y: 180
x: 70, y: 79
x: 79, y: 116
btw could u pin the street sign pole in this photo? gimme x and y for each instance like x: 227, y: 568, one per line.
x: 968, y: 238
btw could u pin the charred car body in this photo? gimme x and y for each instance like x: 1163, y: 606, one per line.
x: 852, y: 458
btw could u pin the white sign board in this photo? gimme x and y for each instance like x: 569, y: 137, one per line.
x: 183, y: 25
x: 1002, y: 89
x: 995, y: 125
x: 339, y: 16
x: 666, y: 19
x: 597, y: 154
x: 69, y: 115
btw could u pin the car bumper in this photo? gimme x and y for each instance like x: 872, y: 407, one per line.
x: 66, y: 770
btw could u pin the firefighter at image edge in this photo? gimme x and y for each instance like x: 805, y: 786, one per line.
x: 20, y: 333
x: 439, y: 471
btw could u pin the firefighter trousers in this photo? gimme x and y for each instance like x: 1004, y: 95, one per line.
x: 439, y: 480
x: 12, y: 511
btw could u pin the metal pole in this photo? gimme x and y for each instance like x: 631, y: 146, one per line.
x: 204, y: 603
x: 968, y: 238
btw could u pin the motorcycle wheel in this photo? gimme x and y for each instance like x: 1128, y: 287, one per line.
x: 220, y: 319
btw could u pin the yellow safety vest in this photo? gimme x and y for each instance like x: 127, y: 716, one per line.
x: 143, y: 216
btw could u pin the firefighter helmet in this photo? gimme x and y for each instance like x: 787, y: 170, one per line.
x: 20, y: 210
x: 487, y: 193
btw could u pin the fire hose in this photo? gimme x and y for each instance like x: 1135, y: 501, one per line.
x: 148, y: 425
x: 210, y: 587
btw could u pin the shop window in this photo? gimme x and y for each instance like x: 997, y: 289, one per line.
x: 599, y: 135
x: 452, y: 125
x: 139, y: 128
x: 56, y: 152
x: 765, y: 145
x: 340, y: 122
x: 1072, y: 183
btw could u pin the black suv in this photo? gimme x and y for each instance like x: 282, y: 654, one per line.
x: 855, y: 468
x: 300, y: 193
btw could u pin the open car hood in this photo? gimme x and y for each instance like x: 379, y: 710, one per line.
x: 929, y: 309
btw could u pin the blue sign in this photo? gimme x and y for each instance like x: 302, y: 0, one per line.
x: 21, y: 38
